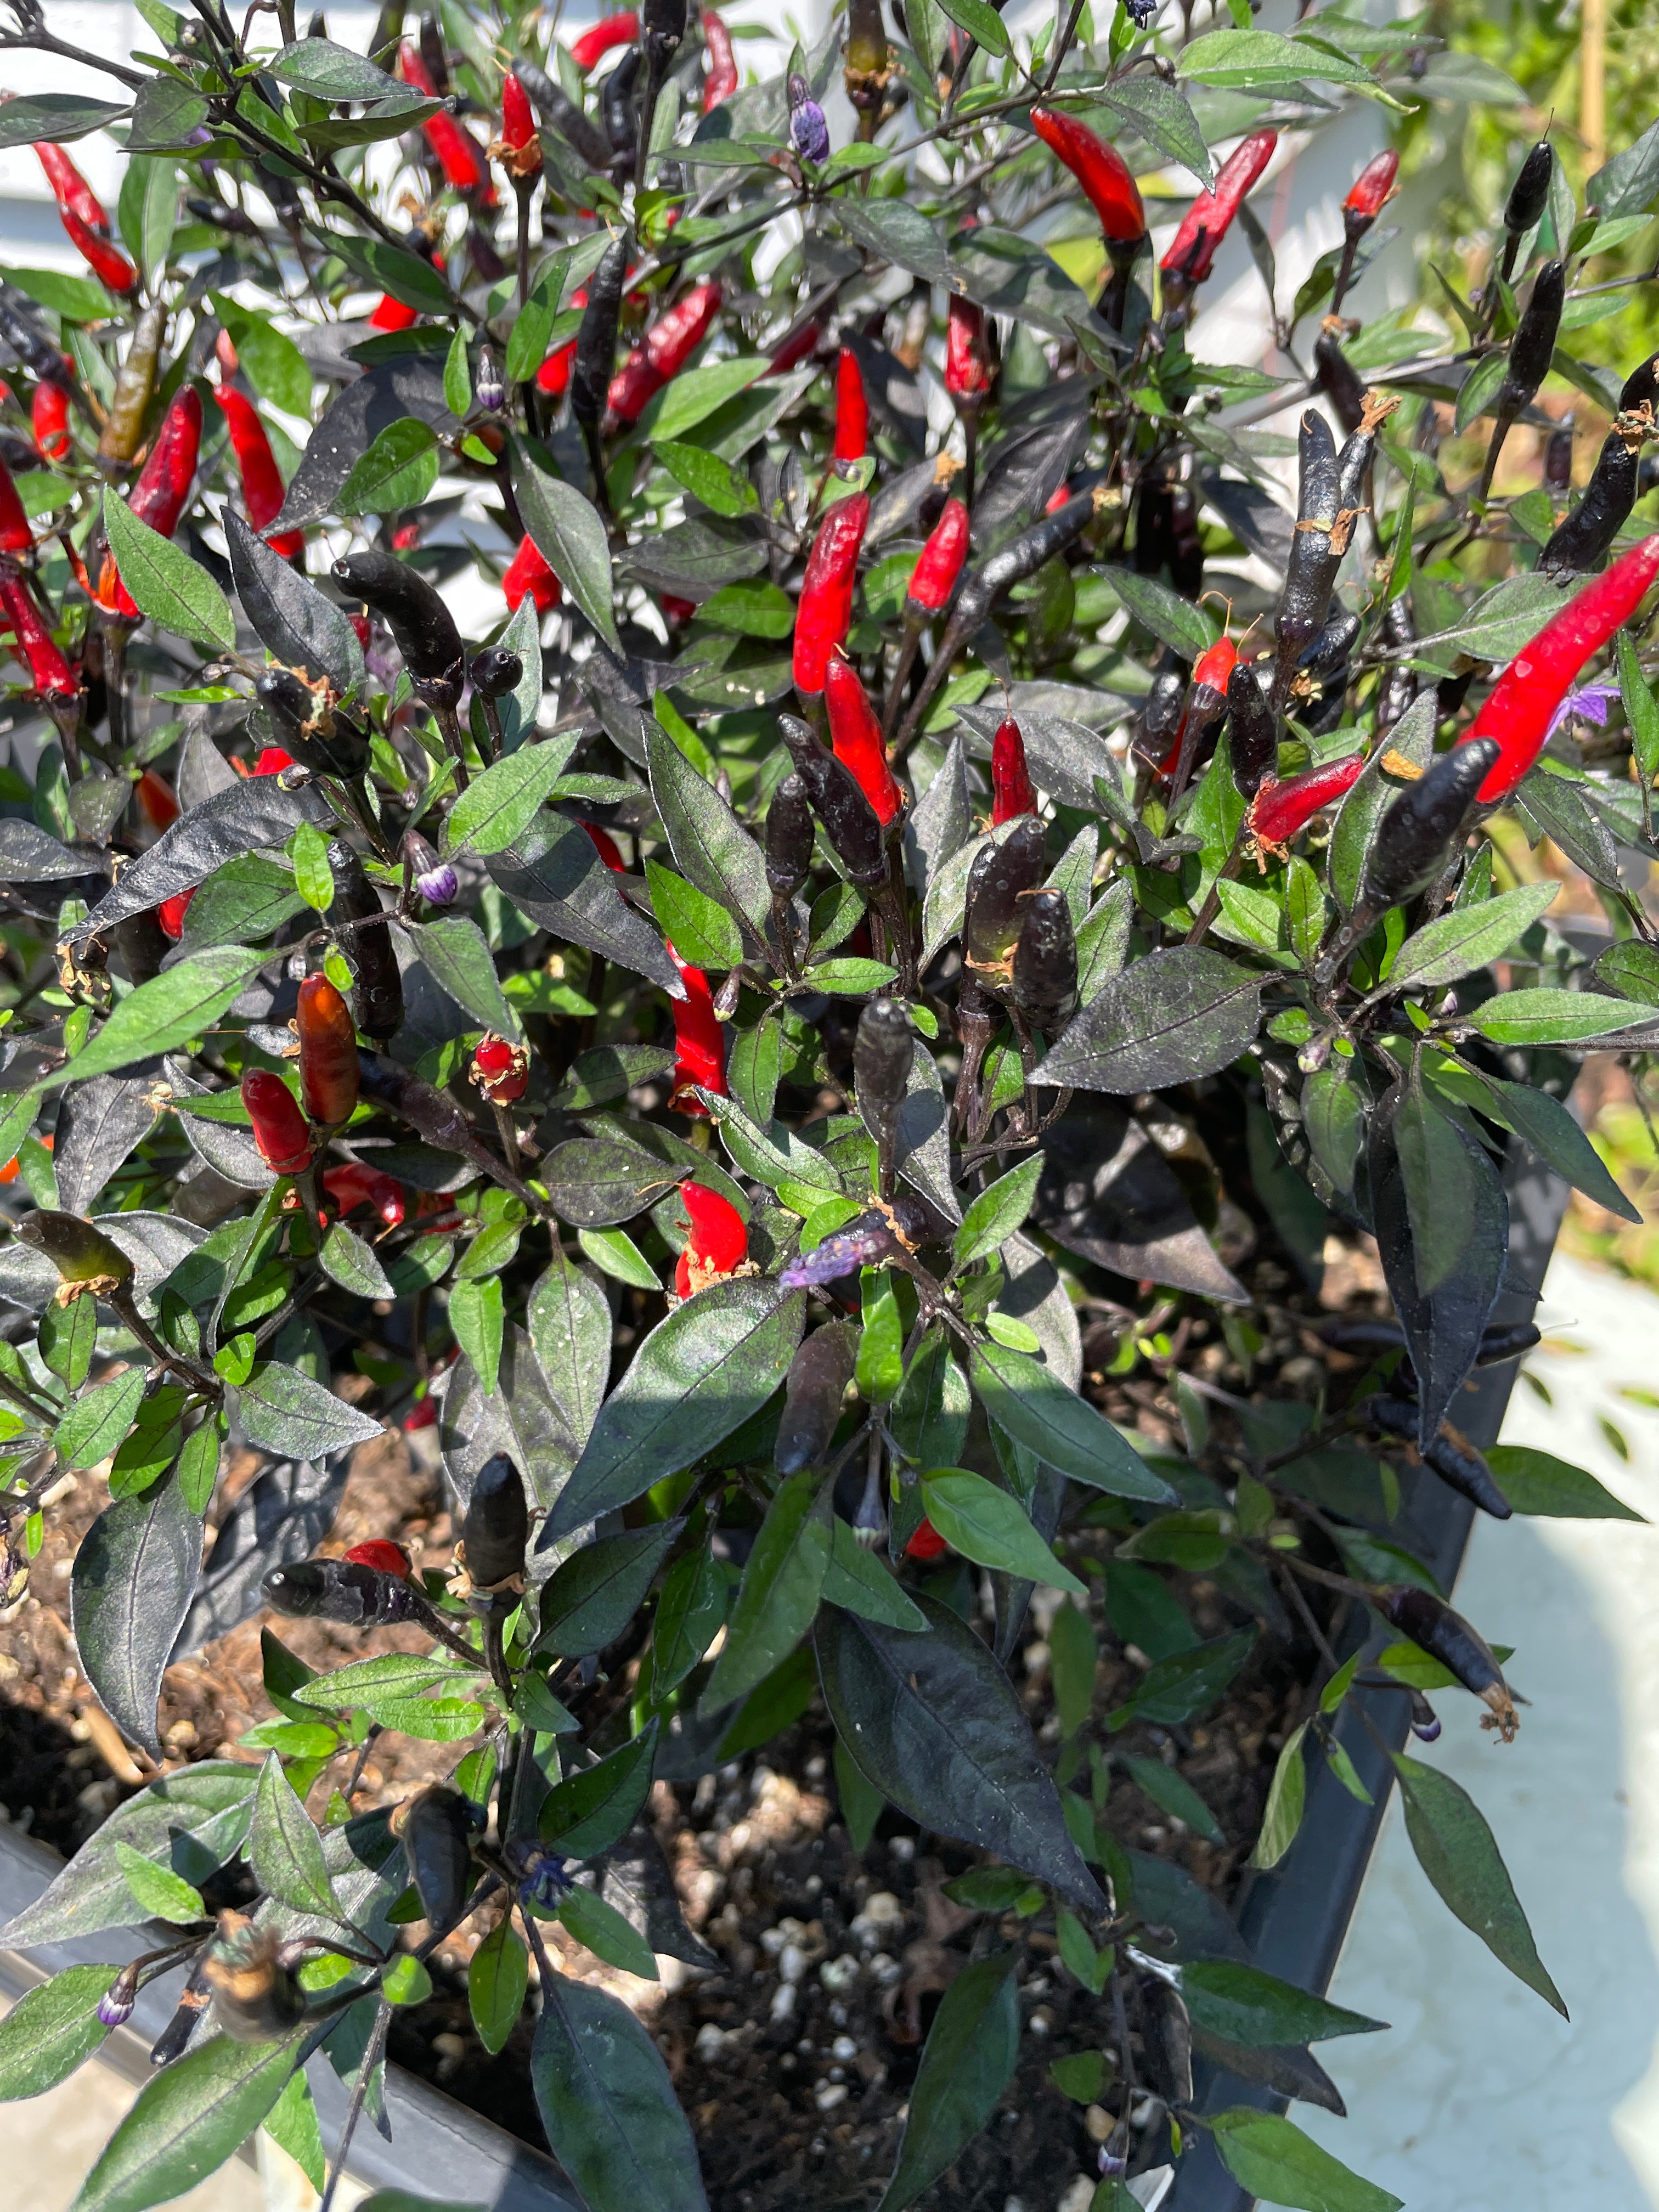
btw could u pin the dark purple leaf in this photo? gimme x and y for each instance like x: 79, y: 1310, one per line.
x: 134, y: 1576
x: 1109, y: 1194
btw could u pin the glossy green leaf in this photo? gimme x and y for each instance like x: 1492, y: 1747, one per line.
x: 1271, y: 2158
x: 966, y: 2064
x: 1036, y: 1409
x: 51, y: 2030
x: 985, y: 1523
x: 781, y: 1585
x: 497, y: 1977
x: 612, y: 2116
x: 1456, y: 1851
x: 187, y: 2121
x: 175, y: 592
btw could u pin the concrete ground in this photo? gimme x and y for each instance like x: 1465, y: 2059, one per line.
x: 1481, y: 2099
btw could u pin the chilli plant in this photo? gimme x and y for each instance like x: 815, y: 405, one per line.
x: 700, y: 1031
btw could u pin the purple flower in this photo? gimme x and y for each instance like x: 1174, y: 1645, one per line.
x: 1588, y: 704
x: 809, y: 134
x: 436, y: 880
x: 489, y: 390
x: 857, y: 1246
x: 541, y: 1873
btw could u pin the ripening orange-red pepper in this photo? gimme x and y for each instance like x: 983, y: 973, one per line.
x: 699, y: 1042
x: 354, y: 1185
x: 852, y: 409
x: 528, y: 572
x: 855, y: 736
x: 49, y: 668
x: 825, y: 612
x: 328, y: 1052
x: 721, y: 80
x: 622, y: 29
x: 718, y: 1244
x: 940, y: 562
x: 1011, y: 783
x: 1100, y: 169
x: 16, y: 536
x: 1206, y: 222
x: 263, y: 489
x: 663, y: 352
x: 279, y: 1127
x: 49, y: 413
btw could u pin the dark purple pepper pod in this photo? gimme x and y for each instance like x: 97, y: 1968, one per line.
x: 1557, y: 459
x: 1415, y: 836
x: 377, y: 989
x: 1579, y: 543
x: 1043, y: 972
x: 421, y: 626
x: 813, y: 1393
x: 1530, y: 194
x: 495, y: 671
x: 789, y: 837
x: 1432, y: 1626
x: 1001, y: 879
x: 1186, y: 543
x: 1338, y: 379
x: 1450, y: 1454
x: 1168, y: 2038
x: 884, y: 1053
x: 344, y: 1591
x: 1160, y: 715
x: 1254, y: 730
x: 1311, y: 570
x: 596, y: 340
x: 495, y: 1528
x: 1506, y: 1342
x: 851, y: 824
x: 436, y: 1829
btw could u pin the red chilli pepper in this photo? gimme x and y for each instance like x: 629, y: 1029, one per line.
x: 107, y: 262
x: 49, y: 671
x: 1100, y: 169
x: 502, y: 1070
x: 967, y: 359
x: 676, y: 610
x: 392, y: 315
x: 926, y: 1543
x: 718, y: 1244
x: 825, y: 612
x: 272, y: 762
x: 790, y: 352
x: 940, y: 561
x: 279, y: 1126
x: 663, y: 352
x: 1011, y: 784
x: 380, y: 1551
x: 1371, y: 190
x: 1210, y: 217
x: 1278, y: 811
x: 521, y: 147
x: 605, y: 846
x: 71, y: 189
x: 456, y: 152
x: 721, y: 80
x: 1522, y: 702
x: 328, y: 1052
x: 263, y: 489
x: 49, y: 415
x: 156, y: 801
x: 355, y: 1185
x: 699, y: 1042
x: 856, y: 734
x: 852, y: 409
x: 554, y: 374
x: 16, y: 536
x: 622, y: 30
x: 164, y: 483
x: 1215, y: 667
x: 529, y: 573
x: 171, y: 914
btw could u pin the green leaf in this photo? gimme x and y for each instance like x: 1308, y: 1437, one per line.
x: 1176, y: 1795
x: 348, y: 1261
x: 857, y: 1581
x: 284, y: 1849
x: 282, y: 1408
x: 861, y: 1805
x: 1440, y: 1175
x: 1457, y: 942
x: 691, y: 398
x: 781, y: 1585
x: 147, y: 211
x: 1064, y: 1431
x: 1550, y: 1128
x: 1641, y: 711
x: 612, y: 2119
x: 1538, y: 1483
x: 1271, y: 2158
x: 878, y: 1367
x: 689, y: 1610
x: 1455, y: 1848
x: 406, y: 1982
x: 572, y: 538
x: 981, y: 22
x: 498, y: 806
x: 456, y: 956
x: 614, y: 1252
x: 593, y: 1595
x: 181, y: 1003
x: 458, y: 377
x: 1287, y: 1796
x: 1479, y: 389
x: 51, y: 2030
x: 1173, y: 622
x: 497, y: 1977
x: 477, y: 1316
x: 1251, y: 59
x: 399, y: 470
x: 594, y: 1808
x: 700, y: 932
x: 187, y: 2120
x: 157, y: 1890
x: 532, y: 326
x: 332, y: 72
x: 997, y: 1212
x: 95, y: 1424
x: 966, y: 2065
x: 292, y: 2122
x: 1177, y: 1014
x: 752, y: 609
x: 275, y: 366
x: 698, y: 1375
x: 313, y: 879
x: 60, y: 117
x: 165, y: 584
x: 986, y: 1525
x: 1180, y: 1686
x: 1552, y: 1017
x: 1073, y: 1653
x: 1242, y: 2004
x: 606, y: 1934
x: 76, y: 297
x: 708, y: 477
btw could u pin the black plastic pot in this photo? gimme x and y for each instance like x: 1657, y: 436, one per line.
x: 1294, y: 1919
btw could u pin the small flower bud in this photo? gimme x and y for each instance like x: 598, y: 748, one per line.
x: 809, y: 134
x: 115, y: 2006
x: 489, y: 391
